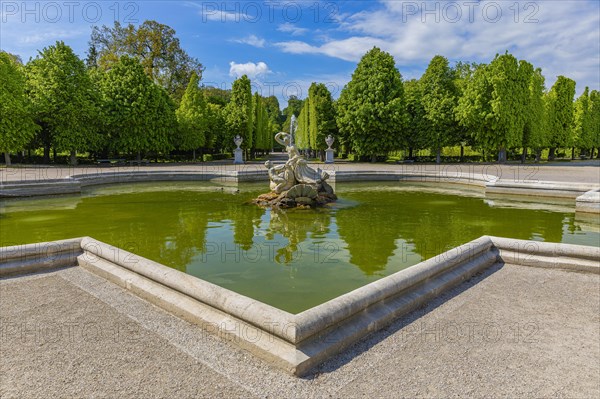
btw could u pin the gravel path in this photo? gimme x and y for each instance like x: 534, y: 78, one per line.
x: 510, y: 332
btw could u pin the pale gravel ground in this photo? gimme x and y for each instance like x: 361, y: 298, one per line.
x: 510, y: 332
x: 580, y: 171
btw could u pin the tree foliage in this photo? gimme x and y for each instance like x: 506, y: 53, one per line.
x: 439, y: 99
x: 416, y: 123
x: 321, y: 116
x: 560, y: 113
x: 140, y: 116
x: 239, y: 112
x: 64, y: 101
x: 371, y: 110
x: 191, y: 117
x: 157, y: 48
x: 494, y: 104
x: 17, y: 127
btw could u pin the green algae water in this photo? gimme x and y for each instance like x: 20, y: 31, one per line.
x: 293, y: 259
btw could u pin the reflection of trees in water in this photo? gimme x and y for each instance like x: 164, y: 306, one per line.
x: 171, y: 231
x: 432, y: 223
x: 295, y: 225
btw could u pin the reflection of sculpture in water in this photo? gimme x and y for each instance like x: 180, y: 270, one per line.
x: 295, y: 183
x: 296, y: 230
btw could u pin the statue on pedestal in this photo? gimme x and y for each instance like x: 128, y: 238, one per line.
x: 295, y: 184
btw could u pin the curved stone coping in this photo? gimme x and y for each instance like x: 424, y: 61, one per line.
x: 240, y: 306
x: 589, y: 202
x: 299, y: 342
x: 321, y: 317
x: 255, y: 172
x: 20, y: 259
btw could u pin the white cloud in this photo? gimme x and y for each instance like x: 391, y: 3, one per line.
x: 350, y: 49
x: 559, y: 37
x: 291, y: 28
x: 252, y: 40
x: 250, y: 69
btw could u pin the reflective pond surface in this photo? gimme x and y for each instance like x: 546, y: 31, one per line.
x: 293, y: 259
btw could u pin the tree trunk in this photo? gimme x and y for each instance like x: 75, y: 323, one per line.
x: 592, y: 153
x: 552, y: 154
x: 410, y: 153
x: 47, y: 153
x: 54, y: 154
x: 538, y: 155
x: 462, y: 153
x: 7, y: 158
x: 373, y: 158
x: 438, y: 156
x: 598, y: 154
x: 502, y: 155
x: 194, y: 155
x: 572, y: 153
x: 524, y: 155
x: 138, y: 158
x: 73, y: 158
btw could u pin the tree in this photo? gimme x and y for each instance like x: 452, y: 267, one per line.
x: 439, y: 98
x: 216, y: 131
x: 302, y: 135
x: 17, y: 127
x: 581, y: 121
x: 534, y: 132
x: 321, y: 116
x: 594, y: 122
x: 416, y: 123
x: 261, y: 124
x: 493, y: 105
x: 157, y: 48
x: 371, y: 110
x: 64, y: 101
x: 140, y: 116
x: 239, y: 112
x: 191, y: 117
x: 560, y: 114
x: 294, y: 107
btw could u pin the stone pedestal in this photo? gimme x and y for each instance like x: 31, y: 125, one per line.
x: 239, y: 158
x: 329, y: 155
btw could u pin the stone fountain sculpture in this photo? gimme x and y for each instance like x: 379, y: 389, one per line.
x: 294, y: 183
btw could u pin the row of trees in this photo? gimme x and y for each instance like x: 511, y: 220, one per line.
x: 119, y: 101
x: 139, y: 92
x: 494, y: 107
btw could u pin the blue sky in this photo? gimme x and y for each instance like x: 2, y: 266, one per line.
x: 285, y: 45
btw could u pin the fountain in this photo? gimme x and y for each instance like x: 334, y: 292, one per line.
x: 294, y: 183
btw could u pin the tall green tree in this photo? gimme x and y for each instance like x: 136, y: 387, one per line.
x: 415, y: 137
x: 582, y: 120
x: 322, y: 115
x: 64, y: 100
x: 594, y: 123
x: 261, y: 124
x: 216, y: 127
x: 191, y: 117
x: 494, y: 105
x: 560, y: 114
x: 293, y: 109
x: 371, y: 110
x: 302, y: 135
x: 140, y: 116
x: 17, y: 127
x: 440, y: 97
x: 239, y: 112
x: 463, y: 73
x: 534, y: 132
x: 155, y: 45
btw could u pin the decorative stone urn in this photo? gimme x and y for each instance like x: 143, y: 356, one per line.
x: 238, y: 152
x: 329, y: 151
